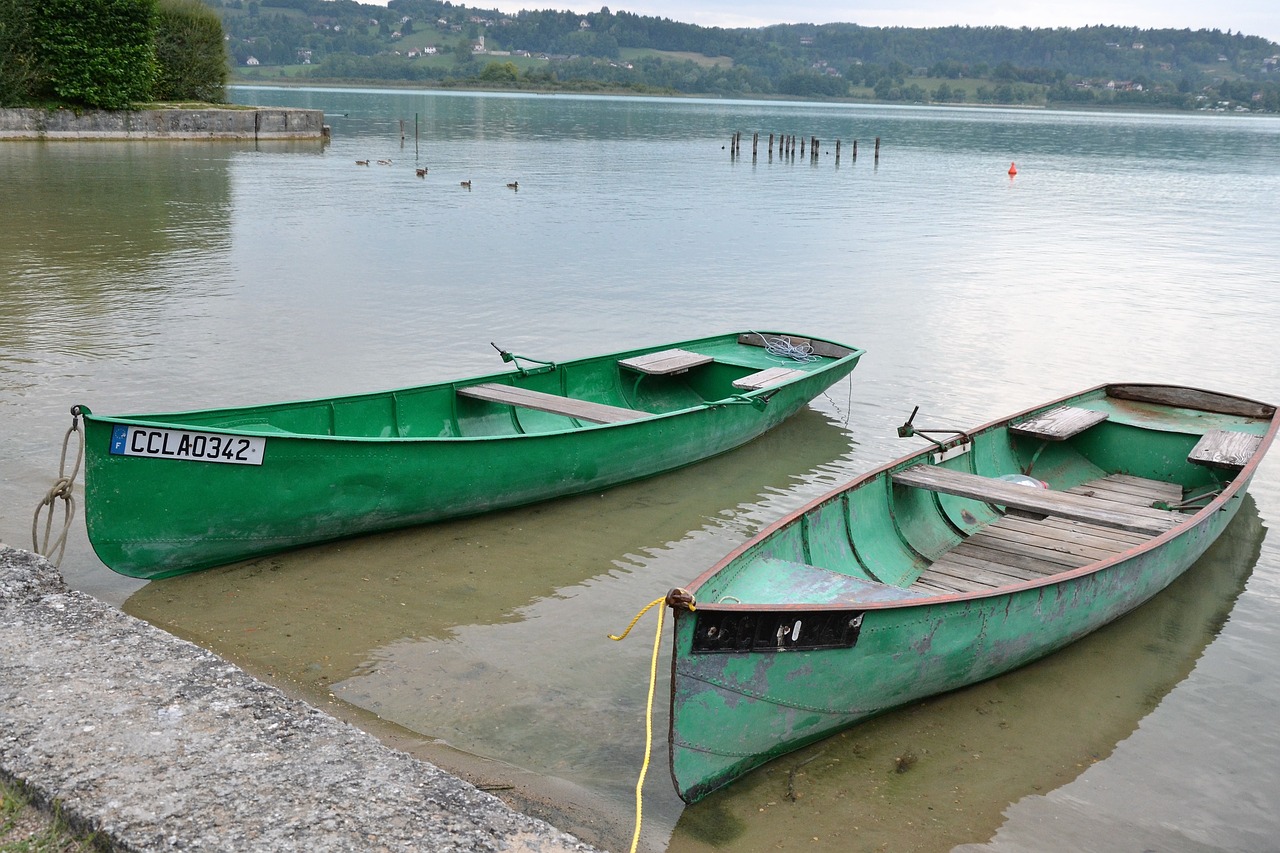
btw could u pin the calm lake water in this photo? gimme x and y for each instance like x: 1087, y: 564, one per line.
x: 162, y: 276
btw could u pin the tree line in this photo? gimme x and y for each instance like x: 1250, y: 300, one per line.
x: 110, y: 54
x: 1099, y: 65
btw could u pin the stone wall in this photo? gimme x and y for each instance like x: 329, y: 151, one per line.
x: 257, y: 124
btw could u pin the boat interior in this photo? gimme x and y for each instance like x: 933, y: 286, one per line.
x: 1013, y: 503
x: 540, y: 397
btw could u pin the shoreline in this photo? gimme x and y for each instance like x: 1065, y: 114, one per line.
x: 155, y: 743
x: 163, y: 123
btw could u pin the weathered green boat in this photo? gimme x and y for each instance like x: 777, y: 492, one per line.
x: 172, y: 493
x: 988, y: 550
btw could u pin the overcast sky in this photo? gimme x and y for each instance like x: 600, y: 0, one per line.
x: 1252, y: 17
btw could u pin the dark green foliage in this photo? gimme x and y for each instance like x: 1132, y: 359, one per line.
x: 500, y: 72
x: 191, y: 53
x: 21, y: 68
x: 807, y: 84
x: 1173, y: 68
x: 100, y: 53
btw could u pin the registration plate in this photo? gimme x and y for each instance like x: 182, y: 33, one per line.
x: 183, y: 444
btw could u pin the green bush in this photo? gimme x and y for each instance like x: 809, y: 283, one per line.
x: 100, y: 53
x: 21, y: 68
x: 191, y: 53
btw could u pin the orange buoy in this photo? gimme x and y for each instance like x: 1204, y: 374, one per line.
x: 1013, y: 169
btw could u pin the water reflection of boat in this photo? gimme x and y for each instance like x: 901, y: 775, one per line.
x: 936, y: 571
x: 978, y: 749
x: 167, y: 494
x: 472, y: 652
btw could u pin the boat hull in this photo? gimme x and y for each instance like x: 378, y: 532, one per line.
x: 788, y: 643
x: 151, y: 517
x: 902, y: 655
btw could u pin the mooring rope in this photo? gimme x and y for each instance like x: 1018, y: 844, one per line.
x: 648, y: 714
x: 63, y: 488
x: 782, y: 347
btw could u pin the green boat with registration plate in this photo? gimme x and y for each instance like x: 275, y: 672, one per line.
x: 989, y: 549
x: 172, y: 493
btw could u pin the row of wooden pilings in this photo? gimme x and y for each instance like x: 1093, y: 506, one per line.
x: 787, y: 146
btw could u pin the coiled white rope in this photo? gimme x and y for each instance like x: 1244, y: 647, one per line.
x: 782, y: 347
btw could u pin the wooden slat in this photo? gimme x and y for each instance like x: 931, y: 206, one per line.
x: 1012, y: 549
x: 1220, y: 448
x: 764, y: 378
x: 1073, y: 532
x: 1158, y: 489
x: 1117, y: 536
x: 1016, y: 554
x: 1141, y: 506
x: 1059, y: 424
x: 1047, y: 544
x: 666, y: 362
x: 583, y: 410
x: 1192, y: 398
x: 1064, y: 504
x: 1013, y: 573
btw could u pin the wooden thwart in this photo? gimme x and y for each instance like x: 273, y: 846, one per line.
x: 767, y: 377
x: 666, y: 362
x: 1011, y: 495
x: 1059, y: 424
x: 583, y: 410
x: 1220, y: 448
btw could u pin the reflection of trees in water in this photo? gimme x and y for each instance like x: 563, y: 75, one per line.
x: 106, y: 229
x: 941, y: 772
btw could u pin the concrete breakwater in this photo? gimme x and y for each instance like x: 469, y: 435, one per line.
x: 159, y: 744
x: 261, y: 123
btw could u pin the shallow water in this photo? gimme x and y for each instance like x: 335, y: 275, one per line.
x: 159, y: 276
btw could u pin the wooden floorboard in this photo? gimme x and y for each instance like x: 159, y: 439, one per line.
x: 1014, y: 549
x: 1064, y: 535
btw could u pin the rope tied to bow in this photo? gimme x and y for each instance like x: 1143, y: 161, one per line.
x: 675, y: 598
x: 63, y: 489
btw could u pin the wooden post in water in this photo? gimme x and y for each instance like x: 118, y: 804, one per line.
x: 853, y: 155
x: 415, y: 135
x: 802, y: 146
x: 755, y: 143
x: 771, y: 145
x: 813, y: 148
x: 401, y: 133
x: 877, y: 149
x: 837, y: 152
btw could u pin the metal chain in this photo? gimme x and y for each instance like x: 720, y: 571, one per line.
x: 63, y: 488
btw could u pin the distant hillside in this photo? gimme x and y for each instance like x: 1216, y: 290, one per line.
x: 433, y: 43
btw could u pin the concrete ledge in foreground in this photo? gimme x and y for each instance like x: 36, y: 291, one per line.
x: 262, y: 123
x: 161, y: 745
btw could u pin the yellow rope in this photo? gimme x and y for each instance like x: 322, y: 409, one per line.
x: 646, y: 609
x: 648, y: 715
x: 675, y: 598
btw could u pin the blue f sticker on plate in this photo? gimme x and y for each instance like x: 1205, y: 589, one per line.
x: 119, y: 438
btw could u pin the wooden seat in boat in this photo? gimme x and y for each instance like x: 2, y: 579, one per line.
x: 1015, y: 549
x: 766, y: 377
x: 1220, y: 448
x: 582, y: 410
x: 1058, y: 424
x: 666, y: 362
x: 1076, y: 507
